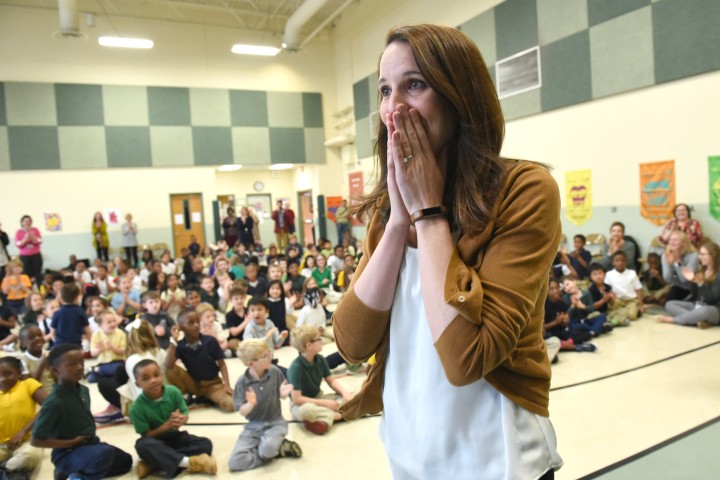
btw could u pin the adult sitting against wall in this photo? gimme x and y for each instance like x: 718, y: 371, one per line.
x: 683, y: 222
x: 619, y: 241
x: 231, y: 228
x: 705, y: 284
x: 680, y: 256
x: 28, y: 241
x: 101, y: 242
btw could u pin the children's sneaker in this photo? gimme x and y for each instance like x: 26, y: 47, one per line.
x: 585, y: 347
x: 144, y: 469
x: 354, y: 368
x: 703, y: 324
x: 625, y: 323
x: 59, y: 475
x: 290, y: 449
x: 111, y: 418
x: 203, y: 464
x: 318, y: 427
x: 606, y: 328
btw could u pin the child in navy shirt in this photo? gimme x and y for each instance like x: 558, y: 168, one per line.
x: 70, y: 323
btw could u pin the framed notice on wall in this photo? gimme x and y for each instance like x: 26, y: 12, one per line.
x: 261, y: 203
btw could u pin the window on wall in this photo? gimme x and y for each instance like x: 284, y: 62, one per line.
x: 518, y: 73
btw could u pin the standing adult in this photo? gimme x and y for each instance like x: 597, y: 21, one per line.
x: 342, y: 221
x: 101, y: 242
x: 247, y: 224
x: 453, y: 280
x: 28, y: 241
x: 129, y: 240
x: 231, y: 228
x: 284, y: 219
x: 685, y: 223
x: 4, y: 255
x: 679, y: 257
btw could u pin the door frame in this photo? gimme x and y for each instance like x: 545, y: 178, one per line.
x: 203, y: 241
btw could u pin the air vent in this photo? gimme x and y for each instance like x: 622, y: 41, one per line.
x: 69, y: 35
x: 518, y: 73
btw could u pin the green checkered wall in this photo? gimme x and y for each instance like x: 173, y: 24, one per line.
x: 66, y: 126
x: 589, y: 49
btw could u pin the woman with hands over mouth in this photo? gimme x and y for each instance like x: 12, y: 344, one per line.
x: 463, y: 240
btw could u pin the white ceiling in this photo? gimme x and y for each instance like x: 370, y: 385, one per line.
x: 266, y: 18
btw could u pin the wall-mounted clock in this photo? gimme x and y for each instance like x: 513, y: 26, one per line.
x: 258, y: 186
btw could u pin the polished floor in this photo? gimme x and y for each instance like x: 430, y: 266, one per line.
x: 645, y: 384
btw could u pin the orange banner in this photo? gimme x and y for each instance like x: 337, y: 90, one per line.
x: 357, y: 187
x: 332, y: 204
x: 657, y: 191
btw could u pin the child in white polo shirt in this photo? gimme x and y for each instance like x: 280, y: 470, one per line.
x: 626, y: 286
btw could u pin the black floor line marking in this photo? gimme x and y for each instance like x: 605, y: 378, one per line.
x: 650, y: 450
x: 634, y: 368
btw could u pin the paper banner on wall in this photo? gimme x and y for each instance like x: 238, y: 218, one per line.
x: 332, y: 204
x: 657, y: 191
x: 578, y: 196
x: 53, y: 222
x: 357, y: 188
x: 714, y: 194
x: 112, y: 216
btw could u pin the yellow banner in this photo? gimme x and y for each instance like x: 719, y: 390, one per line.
x: 657, y: 191
x: 578, y: 196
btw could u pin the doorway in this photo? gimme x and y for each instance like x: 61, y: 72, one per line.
x: 307, y: 217
x: 187, y: 220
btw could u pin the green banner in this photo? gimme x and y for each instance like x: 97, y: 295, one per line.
x: 714, y: 176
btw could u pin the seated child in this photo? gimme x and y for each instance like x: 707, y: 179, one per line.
x: 236, y: 319
x: 108, y: 346
x: 257, y: 286
x: 655, y: 286
x: 557, y: 321
x: 627, y: 289
x: 309, y: 404
x: 257, y: 397
x: 280, y: 305
x: 161, y: 321
x: 34, y: 359
x: 583, y: 316
x: 70, y: 323
x: 603, y: 296
x: 126, y: 300
x: 173, y: 298
x: 8, y: 321
x: 97, y: 306
x: 157, y: 415
x: 211, y: 327
x: 193, y: 299
x: 208, y: 292
x: 262, y: 327
x: 66, y: 425
x: 313, y: 313
x: 15, y: 287
x: 580, y: 258
x: 33, y: 308
x: 18, y: 402
x: 204, y: 360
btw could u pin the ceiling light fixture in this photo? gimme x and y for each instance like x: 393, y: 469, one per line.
x: 281, y: 166
x: 229, y: 168
x: 125, y: 42
x: 241, y: 49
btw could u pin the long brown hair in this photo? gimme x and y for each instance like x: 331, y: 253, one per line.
x: 452, y: 65
x: 714, y: 251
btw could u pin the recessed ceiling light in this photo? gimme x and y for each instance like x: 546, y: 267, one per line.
x: 281, y: 166
x: 241, y: 49
x: 125, y: 42
x: 229, y: 168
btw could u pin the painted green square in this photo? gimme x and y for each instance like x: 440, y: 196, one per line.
x: 3, y: 117
x: 622, y: 53
x: 125, y: 105
x: 312, y: 110
x: 285, y: 109
x: 361, y: 98
x: 314, y: 145
x: 171, y: 146
x: 686, y: 38
x: 373, y: 92
x: 603, y: 10
x: 516, y: 27
x: 559, y: 18
x: 251, y: 145
x: 168, y: 106
x: 210, y: 107
x: 363, y: 143
x: 481, y: 29
x: 248, y: 108
x: 4, y: 149
x: 33, y: 148
x: 128, y: 146
x: 79, y: 104
x: 82, y: 147
x: 566, y: 77
x: 287, y: 145
x: 521, y: 105
x: 30, y: 104
x: 212, y: 145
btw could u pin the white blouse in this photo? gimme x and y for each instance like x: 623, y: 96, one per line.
x: 432, y: 429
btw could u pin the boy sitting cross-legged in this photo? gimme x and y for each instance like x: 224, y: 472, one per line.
x: 257, y: 396
x: 204, y: 360
x: 158, y: 414
x: 66, y: 424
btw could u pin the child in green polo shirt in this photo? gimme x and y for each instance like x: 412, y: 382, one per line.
x: 66, y: 424
x: 157, y: 415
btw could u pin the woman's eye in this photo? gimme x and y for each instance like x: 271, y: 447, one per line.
x: 384, y: 91
x: 415, y: 84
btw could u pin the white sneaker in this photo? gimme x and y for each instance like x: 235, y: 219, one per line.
x: 10, y: 347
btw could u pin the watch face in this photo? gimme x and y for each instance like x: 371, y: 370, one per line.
x: 258, y: 186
